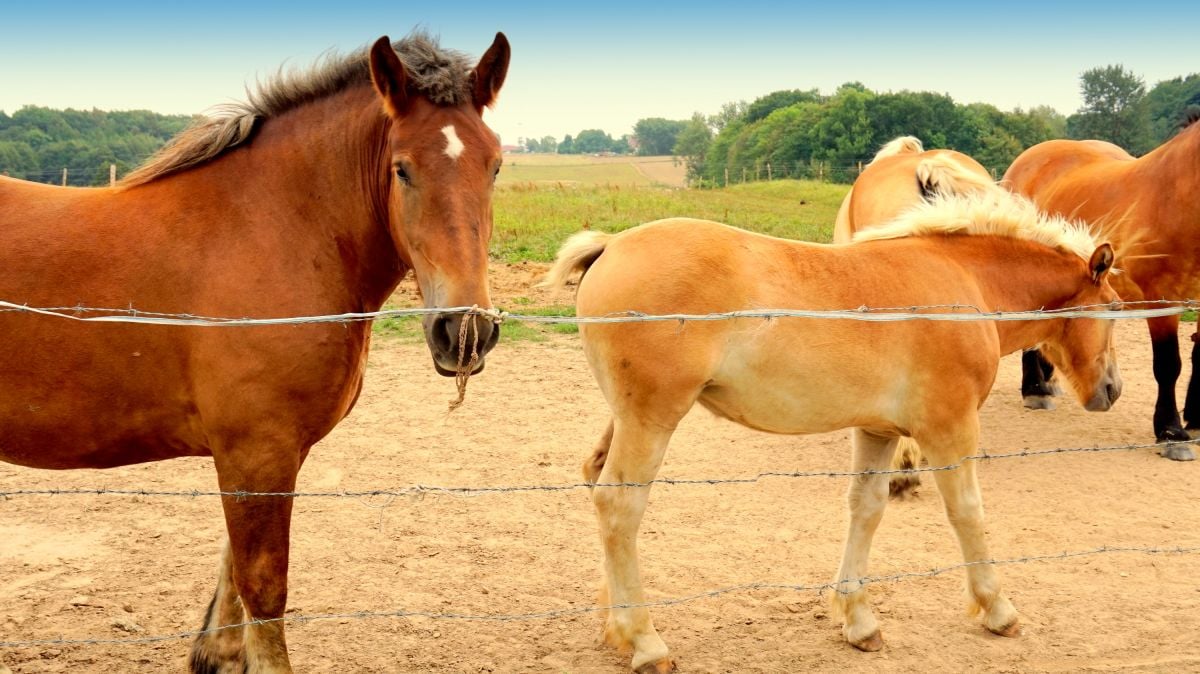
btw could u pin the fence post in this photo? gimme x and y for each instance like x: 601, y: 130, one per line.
x: 860, y: 167
x: 726, y: 176
x: 112, y: 175
x: 743, y: 174
x: 757, y: 172
x: 821, y: 171
x: 769, y: 174
x: 64, y: 177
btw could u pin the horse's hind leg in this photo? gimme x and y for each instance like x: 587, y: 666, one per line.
x: 964, y: 509
x: 596, y: 460
x: 221, y: 651
x: 1037, y: 391
x: 634, y: 455
x: 907, y: 457
x: 867, y: 498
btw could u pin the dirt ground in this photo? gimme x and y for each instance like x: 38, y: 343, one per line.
x: 116, y: 567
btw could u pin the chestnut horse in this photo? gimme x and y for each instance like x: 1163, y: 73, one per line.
x: 884, y: 380
x: 1149, y: 203
x: 901, y: 174
x: 316, y: 197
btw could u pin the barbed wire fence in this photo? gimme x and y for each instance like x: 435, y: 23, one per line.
x: 942, y: 312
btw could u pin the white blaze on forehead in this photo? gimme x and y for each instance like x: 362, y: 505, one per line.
x: 454, y: 146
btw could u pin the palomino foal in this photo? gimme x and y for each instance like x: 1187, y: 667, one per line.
x: 883, y: 380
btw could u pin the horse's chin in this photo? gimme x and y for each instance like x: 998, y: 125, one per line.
x: 450, y: 373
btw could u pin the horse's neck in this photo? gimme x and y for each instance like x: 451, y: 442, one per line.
x: 312, y: 182
x: 1022, y: 276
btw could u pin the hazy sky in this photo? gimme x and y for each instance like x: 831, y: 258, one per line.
x: 580, y: 65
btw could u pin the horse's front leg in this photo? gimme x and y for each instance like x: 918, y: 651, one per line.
x: 634, y: 455
x: 964, y: 508
x: 867, y: 498
x: 1191, y: 404
x: 258, y: 558
x: 220, y: 649
x: 1037, y: 391
x: 1164, y: 338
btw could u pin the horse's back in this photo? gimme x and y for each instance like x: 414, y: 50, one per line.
x: 1044, y: 167
x: 747, y: 367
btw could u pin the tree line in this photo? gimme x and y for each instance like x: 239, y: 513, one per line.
x: 804, y: 133
x: 37, y: 143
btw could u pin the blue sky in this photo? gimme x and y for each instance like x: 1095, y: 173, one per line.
x: 597, y: 65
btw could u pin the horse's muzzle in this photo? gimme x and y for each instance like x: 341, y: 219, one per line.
x: 478, y: 334
x: 1106, y: 392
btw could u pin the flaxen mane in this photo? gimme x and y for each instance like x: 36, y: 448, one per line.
x: 989, y: 213
x: 444, y: 75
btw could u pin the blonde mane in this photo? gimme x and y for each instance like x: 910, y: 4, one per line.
x: 901, y: 145
x: 443, y: 75
x: 989, y: 213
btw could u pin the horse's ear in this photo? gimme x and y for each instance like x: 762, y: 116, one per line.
x: 1101, y: 262
x: 389, y: 77
x: 489, y: 74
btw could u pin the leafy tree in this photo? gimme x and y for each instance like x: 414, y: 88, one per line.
x: 692, y: 144
x: 729, y: 113
x: 656, y: 136
x: 548, y: 144
x: 592, y: 141
x: 567, y: 146
x: 775, y: 100
x: 1169, y: 105
x: 1113, y: 108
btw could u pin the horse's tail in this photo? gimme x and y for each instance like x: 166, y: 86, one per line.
x: 901, y: 145
x: 576, y: 255
x: 942, y: 175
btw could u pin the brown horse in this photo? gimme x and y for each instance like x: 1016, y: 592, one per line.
x: 316, y: 197
x: 900, y: 175
x: 884, y: 380
x: 1149, y: 203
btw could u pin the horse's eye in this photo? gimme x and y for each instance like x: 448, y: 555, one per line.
x: 402, y: 175
x: 496, y: 173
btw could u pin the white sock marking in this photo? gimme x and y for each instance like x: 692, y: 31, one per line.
x: 454, y: 146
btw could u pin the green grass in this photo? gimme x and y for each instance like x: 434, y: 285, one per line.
x: 533, y: 221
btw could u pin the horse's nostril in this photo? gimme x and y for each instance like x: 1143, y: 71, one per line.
x: 443, y: 334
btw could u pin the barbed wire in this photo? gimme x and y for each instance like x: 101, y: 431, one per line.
x: 929, y: 312
x: 422, y: 490
x: 851, y: 585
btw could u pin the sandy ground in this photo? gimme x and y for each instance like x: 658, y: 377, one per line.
x: 126, y: 567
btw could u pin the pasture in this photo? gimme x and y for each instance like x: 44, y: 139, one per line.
x: 121, y: 567
x: 582, y: 169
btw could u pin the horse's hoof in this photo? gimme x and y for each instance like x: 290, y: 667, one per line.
x: 664, y: 666
x: 903, y: 487
x: 1012, y: 631
x: 1193, y: 432
x: 1178, y: 453
x: 1172, y: 434
x: 1038, y: 403
x: 870, y: 644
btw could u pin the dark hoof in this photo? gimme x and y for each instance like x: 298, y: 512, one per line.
x: 1038, y: 403
x: 870, y: 644
x: 664, y: 666
x: 1172, y: 434
x: 1178, y: 453
x: 904, y: 487
x: 1012, y: 631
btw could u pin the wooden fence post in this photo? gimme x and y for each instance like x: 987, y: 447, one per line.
x: 743, y: 174
x: 769, y: 175
x: 112, y: 175
x: 64, y: 177
x: 726, y: 176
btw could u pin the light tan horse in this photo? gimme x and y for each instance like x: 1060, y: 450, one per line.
x: 798, y: 376
x: 1149, y: 204
x: 900, y: 175
x: 316, y: 197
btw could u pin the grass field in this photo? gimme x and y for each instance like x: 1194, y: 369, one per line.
x: 576, y: 170
x: 532, y: 221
